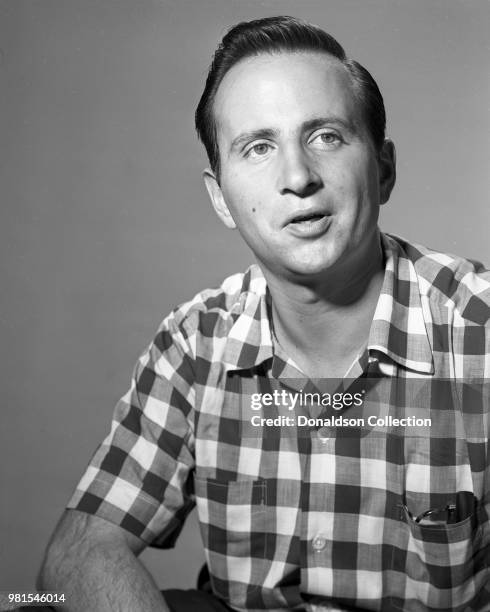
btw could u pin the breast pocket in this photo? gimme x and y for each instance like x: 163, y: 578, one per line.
x: 443, y: 566
x: 234, y: 522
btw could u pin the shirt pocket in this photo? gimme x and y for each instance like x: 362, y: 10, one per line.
x: 443, y: 566
x: 234, y: 522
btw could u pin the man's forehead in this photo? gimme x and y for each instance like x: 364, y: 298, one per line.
x: 270, y: 84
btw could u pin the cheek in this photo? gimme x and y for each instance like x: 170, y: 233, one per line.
x: 247, y: 211
x: 247, y: 206
x: 240, y: 197
x: 360, y: 188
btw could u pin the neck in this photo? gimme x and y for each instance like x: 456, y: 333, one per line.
x: 333, y: 312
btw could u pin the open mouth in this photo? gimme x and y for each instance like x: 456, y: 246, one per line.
x: 306, y: 218
x: 309, y: 225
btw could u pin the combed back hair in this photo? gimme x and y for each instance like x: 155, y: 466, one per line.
x: 276, y: 35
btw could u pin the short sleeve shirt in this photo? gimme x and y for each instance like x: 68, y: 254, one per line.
x: 382, y: 517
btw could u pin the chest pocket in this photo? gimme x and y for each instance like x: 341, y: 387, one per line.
x: 441, y: 560
x: 444, y: 566
x: 234, y: 521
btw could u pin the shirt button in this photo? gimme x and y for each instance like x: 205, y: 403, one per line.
x: 319, y: 542
x: 324, y: 434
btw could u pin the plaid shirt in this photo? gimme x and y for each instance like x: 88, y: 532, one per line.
x: 314, y: 521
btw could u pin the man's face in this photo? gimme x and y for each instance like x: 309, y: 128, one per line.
x: 300, y: 177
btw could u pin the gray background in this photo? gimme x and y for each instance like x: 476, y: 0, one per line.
x: 106, y: 225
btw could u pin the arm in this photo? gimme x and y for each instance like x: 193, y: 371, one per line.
x: 93, y: 562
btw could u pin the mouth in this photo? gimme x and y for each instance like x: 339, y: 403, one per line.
x: 307, y: 218
x: 308, y: 224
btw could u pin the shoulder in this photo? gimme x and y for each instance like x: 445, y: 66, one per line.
x: 449, y: 280
x: 212, y: 312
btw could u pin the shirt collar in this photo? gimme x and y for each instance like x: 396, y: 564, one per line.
x: 398, y: 330
x: 399, y: 326
x: 249, y: 342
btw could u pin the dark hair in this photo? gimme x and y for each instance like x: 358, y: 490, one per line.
x: 274, y: 35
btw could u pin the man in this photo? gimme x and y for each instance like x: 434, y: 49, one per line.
x: 299, y: 164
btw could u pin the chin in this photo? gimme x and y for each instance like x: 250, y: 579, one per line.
x: 313, y: 266
x: 309, y: 270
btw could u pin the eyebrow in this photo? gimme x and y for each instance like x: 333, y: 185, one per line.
x: 245, y: 137
x: 310, y: 124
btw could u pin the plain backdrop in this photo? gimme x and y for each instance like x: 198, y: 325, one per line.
x: 105, y: 223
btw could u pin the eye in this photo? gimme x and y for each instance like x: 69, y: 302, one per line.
x: 326, y: 139
x: 258, y: 150
x: 329, y: 137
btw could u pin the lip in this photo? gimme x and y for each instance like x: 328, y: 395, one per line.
x: 311, y: 228
x: 313, y: 210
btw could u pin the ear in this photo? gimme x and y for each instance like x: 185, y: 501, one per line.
x: 387, y: 170
x: 217, y: 198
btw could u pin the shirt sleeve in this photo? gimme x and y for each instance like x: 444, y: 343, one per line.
x: 139, y: 477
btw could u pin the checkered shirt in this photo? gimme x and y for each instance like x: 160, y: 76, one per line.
x: 313, y: 522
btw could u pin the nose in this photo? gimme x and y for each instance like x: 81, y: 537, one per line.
x: 297, y: 174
